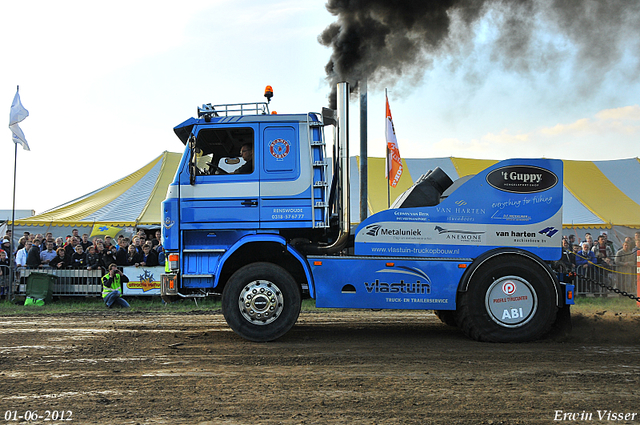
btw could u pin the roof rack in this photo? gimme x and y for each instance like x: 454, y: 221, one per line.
x: 257, y: 108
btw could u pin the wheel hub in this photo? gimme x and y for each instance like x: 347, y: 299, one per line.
x: 511, y: 301
x: 261, y: 302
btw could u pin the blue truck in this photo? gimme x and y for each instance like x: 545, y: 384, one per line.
x: 258, y: 214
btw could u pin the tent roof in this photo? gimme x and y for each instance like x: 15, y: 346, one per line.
x: 131, y: 201
x: 597, y: 194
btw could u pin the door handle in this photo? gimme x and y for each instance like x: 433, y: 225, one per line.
x: 249, y: 203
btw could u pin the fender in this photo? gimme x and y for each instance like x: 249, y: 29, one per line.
x: 478, y: 262
x: 265, y: 237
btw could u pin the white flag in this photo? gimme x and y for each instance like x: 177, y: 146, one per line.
x: 18, y: 114
x: 18, y: 136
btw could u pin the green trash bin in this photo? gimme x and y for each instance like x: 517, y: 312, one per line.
x: 40, y: 286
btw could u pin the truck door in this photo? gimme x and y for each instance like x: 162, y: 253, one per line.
x: 225, y: 190
x: 284, y: 190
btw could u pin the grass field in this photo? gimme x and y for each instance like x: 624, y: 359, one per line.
x: 154, y: 304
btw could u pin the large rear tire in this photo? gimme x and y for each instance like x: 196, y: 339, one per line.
x: 448, y: 317
x: 509, y: 299
x: 261, y: 302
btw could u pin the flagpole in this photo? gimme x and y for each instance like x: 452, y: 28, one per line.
x: 13, y: 224
x: 386, y: 161
x: 17, y: 115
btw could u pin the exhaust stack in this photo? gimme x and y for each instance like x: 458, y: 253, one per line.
x: 343, y: 154
x: 364, y: 162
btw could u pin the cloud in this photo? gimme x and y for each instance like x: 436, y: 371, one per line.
x: 504, y: 138
x: 491, y: 145
x: 583, y: 137
x: 624, y: 120
x: 625, y: 113
x: 580, y: 125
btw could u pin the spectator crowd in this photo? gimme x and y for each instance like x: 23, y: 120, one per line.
x: 600, y: 260
x: 80, y: 252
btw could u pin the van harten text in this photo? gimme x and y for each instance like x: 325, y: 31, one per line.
x: 598, y: 415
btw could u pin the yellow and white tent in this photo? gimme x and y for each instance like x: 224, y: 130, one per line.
x: 598, y: 195
x: 132, y: 201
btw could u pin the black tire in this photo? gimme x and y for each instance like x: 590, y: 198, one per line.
x: 509, y: 299
x: 448, y: 317
x: 261, y: 302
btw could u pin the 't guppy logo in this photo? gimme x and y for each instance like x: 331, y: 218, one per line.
x: 401, y: 287
x: 522, y: 179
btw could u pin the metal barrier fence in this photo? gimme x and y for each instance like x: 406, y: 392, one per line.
x: 87, y: 282
x: 69, y: 283
x: 586, y: 275
x: 5, y: 281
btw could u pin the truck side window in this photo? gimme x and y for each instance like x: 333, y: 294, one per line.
x: 222, y: 151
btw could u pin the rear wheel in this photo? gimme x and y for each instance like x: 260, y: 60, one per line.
x: 509, y: 299
x: 448, y: 317
x: 261, y: 302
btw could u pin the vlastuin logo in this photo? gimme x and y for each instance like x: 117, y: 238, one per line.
x: 418, y: 287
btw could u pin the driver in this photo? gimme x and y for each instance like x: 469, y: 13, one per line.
x: 247, y: 154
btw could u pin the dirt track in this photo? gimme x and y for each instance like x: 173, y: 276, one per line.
x: 334, y: 367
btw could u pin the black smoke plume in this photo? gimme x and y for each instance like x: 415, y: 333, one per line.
x: 390, y: 40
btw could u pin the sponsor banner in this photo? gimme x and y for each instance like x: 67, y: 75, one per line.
x: 439, y: 239
x: 142, y: 280
x: 423, y: 233
x: 509, y: 209
x: 548, y: 252
x: 513, y: 209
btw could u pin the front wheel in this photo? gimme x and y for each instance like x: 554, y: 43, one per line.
x: 261, y: 302
x: 509, y: 299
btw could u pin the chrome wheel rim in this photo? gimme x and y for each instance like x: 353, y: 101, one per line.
x: 261, y: 302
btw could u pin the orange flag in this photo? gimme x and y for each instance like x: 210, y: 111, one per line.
x: 393, y: 169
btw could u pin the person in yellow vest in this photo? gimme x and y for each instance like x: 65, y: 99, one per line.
x: 112, y: 287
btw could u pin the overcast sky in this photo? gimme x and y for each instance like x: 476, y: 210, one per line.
x: 105, y: 83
